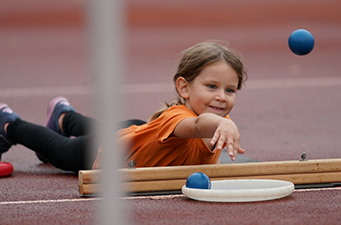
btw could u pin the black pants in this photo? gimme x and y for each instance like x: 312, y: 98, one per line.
x: 71, y: 154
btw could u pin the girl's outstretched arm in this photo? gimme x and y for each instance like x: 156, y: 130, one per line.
x: 215, y: 131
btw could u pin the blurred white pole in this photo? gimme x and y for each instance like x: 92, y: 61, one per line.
x: 106, y: 24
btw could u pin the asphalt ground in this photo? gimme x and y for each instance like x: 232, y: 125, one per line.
x: 290, y: 104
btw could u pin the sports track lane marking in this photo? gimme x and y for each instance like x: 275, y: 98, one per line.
x: 318, y: 189
x: 157, y: 197
x: 49, y: 201
x: 164, y: 87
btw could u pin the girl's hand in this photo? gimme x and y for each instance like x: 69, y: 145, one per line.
x: 215, y: 129
x: 227, y: 132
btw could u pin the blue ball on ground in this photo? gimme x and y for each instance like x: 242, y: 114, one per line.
x: 198, y: 180
x: 301, y: 42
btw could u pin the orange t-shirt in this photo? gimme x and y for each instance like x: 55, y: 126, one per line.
x: 152, y: 144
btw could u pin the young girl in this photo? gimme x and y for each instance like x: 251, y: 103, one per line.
x: 191, y: 131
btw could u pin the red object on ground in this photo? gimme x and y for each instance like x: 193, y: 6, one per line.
x: 6, y: 169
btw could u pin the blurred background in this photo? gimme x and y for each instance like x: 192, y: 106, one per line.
x: 290, y: 104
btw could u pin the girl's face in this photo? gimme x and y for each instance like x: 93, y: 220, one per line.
x: 213, y: 90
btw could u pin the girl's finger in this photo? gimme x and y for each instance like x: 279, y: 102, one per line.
x: 214, y: 139
x: 220, y: 143
x: 241, y: 150
x: 230, y: 149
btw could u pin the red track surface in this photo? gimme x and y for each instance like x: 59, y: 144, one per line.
x: 290, y: 105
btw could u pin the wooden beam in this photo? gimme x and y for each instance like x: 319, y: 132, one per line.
x: 173, y: 178
x: 236, y: 169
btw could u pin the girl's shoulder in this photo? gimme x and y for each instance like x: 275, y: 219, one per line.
x: 179, y: 109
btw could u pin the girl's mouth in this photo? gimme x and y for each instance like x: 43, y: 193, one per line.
x: 216, y: 108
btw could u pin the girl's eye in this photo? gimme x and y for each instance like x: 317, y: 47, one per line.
x: 211, y: 86
x: 229, y: 90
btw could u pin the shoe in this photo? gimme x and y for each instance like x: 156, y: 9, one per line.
x: 55, y: 108
x: 6, y: 115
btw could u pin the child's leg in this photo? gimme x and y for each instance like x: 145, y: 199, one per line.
x: 75, y: 124
x: 57, y: 109
x: 70, y: 154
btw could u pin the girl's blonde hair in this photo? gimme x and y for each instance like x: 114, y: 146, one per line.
x: 197, y: 58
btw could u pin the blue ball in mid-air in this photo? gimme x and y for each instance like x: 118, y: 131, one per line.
x: 301, y: 42
x: 198, y: 180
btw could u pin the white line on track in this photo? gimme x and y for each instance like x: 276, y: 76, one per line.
x: 156, y: 197
x: 318, y: 189
x: 165, y: 87
x: 45, y: 91
x: 50, y: 201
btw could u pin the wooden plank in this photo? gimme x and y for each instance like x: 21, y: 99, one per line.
x: 88, y: 189
x: 172, y: 178
x: 170, y: 185
x: 238, y: 169
x: 89, y: 176
x: 160, y: 185
x: 219, y: 170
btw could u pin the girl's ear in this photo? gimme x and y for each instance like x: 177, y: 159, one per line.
x: 182, y: 87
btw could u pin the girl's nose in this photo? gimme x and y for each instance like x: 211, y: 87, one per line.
x: 221, y: 96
